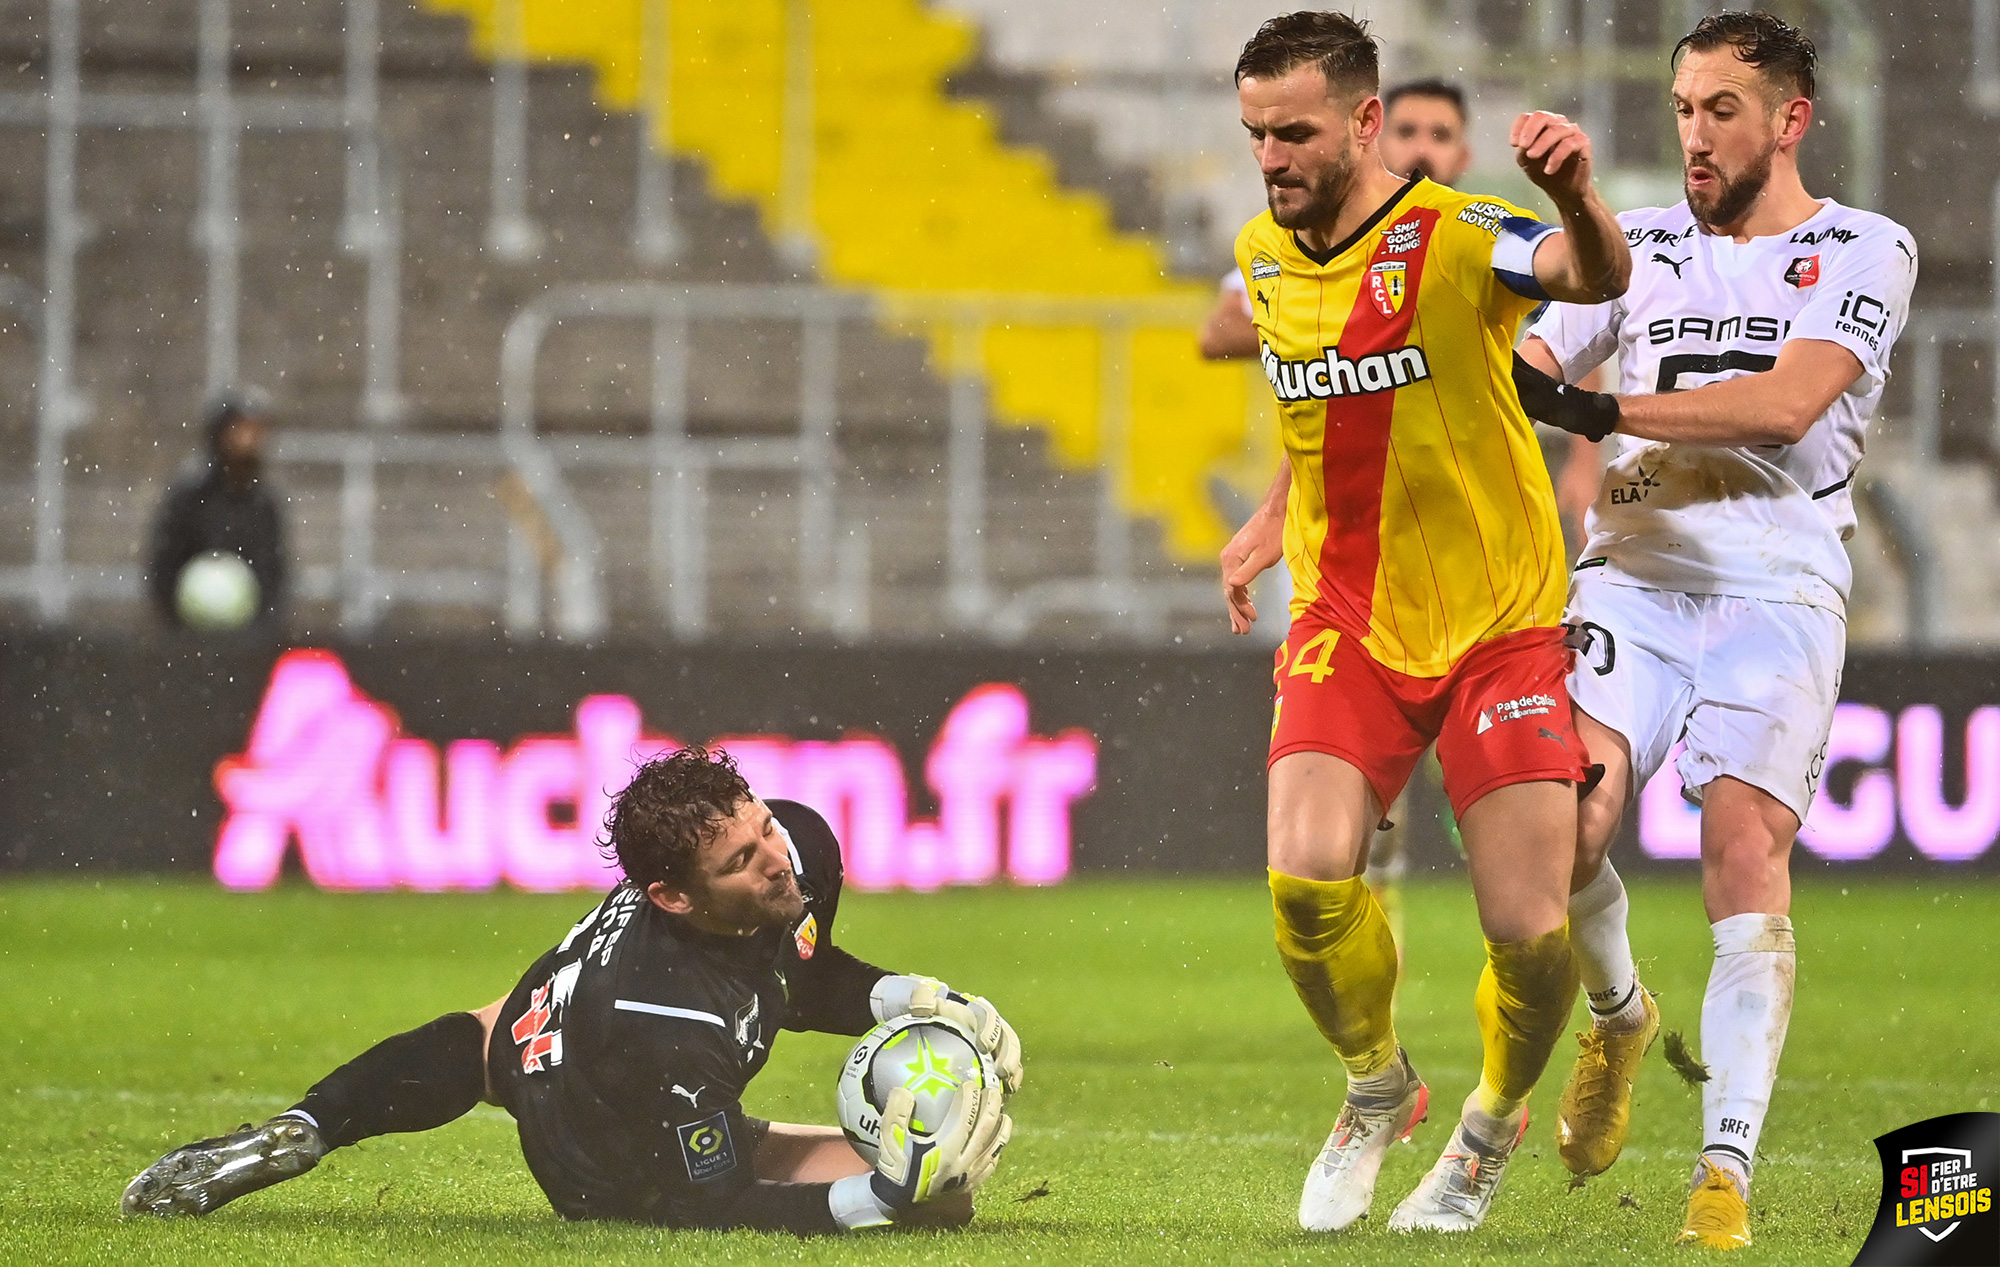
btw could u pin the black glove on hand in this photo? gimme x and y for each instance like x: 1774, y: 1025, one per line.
x: 1592, y: 415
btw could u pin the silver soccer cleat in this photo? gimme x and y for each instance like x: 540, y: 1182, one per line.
x: 208, y: 1174
x: 1459, y: 1190
x: 1341, y: 1184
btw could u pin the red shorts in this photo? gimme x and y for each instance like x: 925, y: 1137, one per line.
x: 1501, y: 716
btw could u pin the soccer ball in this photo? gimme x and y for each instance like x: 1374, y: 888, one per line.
x: 216, y: 591
x: 933, y: 1058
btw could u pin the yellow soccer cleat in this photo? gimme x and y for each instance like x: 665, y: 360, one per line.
x: 1718, y: 1216
x: 1595, y: 1110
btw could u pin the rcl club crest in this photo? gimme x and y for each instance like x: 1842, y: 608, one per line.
x: 1386, y: 282
x: 1937, y: 1194
x: 1803, y: 271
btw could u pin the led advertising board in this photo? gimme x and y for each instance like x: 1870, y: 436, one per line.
x: 326, y: 766
x: 1883, y: 774
x: 463, y: 764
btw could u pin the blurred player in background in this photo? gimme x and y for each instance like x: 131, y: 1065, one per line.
x: 1417, y: 520
x: 222, y: 502
x: 1423, y: 134
x: 1754, y: 348
x: 624, y: 1052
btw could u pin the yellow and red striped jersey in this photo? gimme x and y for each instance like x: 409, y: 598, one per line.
x: 1421, y: 517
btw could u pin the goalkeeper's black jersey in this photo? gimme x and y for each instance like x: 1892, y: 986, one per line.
x: 624, y: 1052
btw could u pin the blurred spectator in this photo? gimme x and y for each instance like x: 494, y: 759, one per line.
x: 221, y: 517
x: 1423, y: 134
x: 1423, y: 131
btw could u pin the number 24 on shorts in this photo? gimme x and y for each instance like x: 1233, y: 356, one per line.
x: 1315, y: 658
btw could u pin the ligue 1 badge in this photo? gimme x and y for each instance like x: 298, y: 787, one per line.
x: 1937, y: 1195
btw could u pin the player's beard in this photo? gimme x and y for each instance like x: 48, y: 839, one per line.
x: 736, y: 907
x: 781, y: 902
x: 1323, y: 195
x: 1733, y: 195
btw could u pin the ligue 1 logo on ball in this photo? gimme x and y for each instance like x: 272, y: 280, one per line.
x: 1937, y: 1195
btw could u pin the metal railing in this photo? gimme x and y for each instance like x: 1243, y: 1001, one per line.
x: 678, y: 470
x: 552, y: 539
x: 64, y: 109
x: 1113, y: 590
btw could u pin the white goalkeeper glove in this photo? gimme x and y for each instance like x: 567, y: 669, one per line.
x: 923, y: 996
x: 910, y: 1172
x: 962, y: 1156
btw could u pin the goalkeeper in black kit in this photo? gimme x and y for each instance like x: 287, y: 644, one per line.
x: 624, y: 1051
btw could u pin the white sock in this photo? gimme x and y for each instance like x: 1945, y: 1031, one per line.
x: 1743, y: 1020
x: 1604, y: 952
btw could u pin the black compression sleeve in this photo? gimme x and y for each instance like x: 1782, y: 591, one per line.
x: 799, y: 1208
x: 1592, y: 415
x: 830, y: 993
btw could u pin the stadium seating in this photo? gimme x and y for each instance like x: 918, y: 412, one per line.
x: 977, y: 211
x: 141, y: 340
x: 912, y: 192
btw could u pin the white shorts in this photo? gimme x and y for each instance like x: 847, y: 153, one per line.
x: 1748, y: 682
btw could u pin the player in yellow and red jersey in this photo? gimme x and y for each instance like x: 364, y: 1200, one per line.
x: 1427, y: 567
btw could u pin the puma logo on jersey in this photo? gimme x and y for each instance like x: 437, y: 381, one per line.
x: 692, y: 1096
x: 1334, y: 375
x: 1659, y: 258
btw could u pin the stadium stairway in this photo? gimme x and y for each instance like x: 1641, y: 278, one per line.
x: 912, y: 190
x: 141, y: 345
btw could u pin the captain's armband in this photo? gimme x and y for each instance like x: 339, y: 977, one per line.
x: 1514, y: 255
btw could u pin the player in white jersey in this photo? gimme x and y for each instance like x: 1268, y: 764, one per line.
x: 1753, y: 349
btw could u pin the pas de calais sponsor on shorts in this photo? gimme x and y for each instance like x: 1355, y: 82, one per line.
x: 1331, y: 374
x: 1537, y: 705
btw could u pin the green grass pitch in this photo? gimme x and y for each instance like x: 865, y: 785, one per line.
x: 1175, y: 1090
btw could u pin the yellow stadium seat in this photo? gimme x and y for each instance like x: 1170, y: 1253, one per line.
x: 913, y: 192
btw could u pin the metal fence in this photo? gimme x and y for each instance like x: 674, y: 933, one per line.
x: 678, y: 470
x: 371, y: 228
x: 568, y: 595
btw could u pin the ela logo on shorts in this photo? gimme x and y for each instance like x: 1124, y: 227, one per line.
x: 1937, y: 1194
x: 707, y: 1148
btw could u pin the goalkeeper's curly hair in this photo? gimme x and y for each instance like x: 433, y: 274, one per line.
x: 672, y: 807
